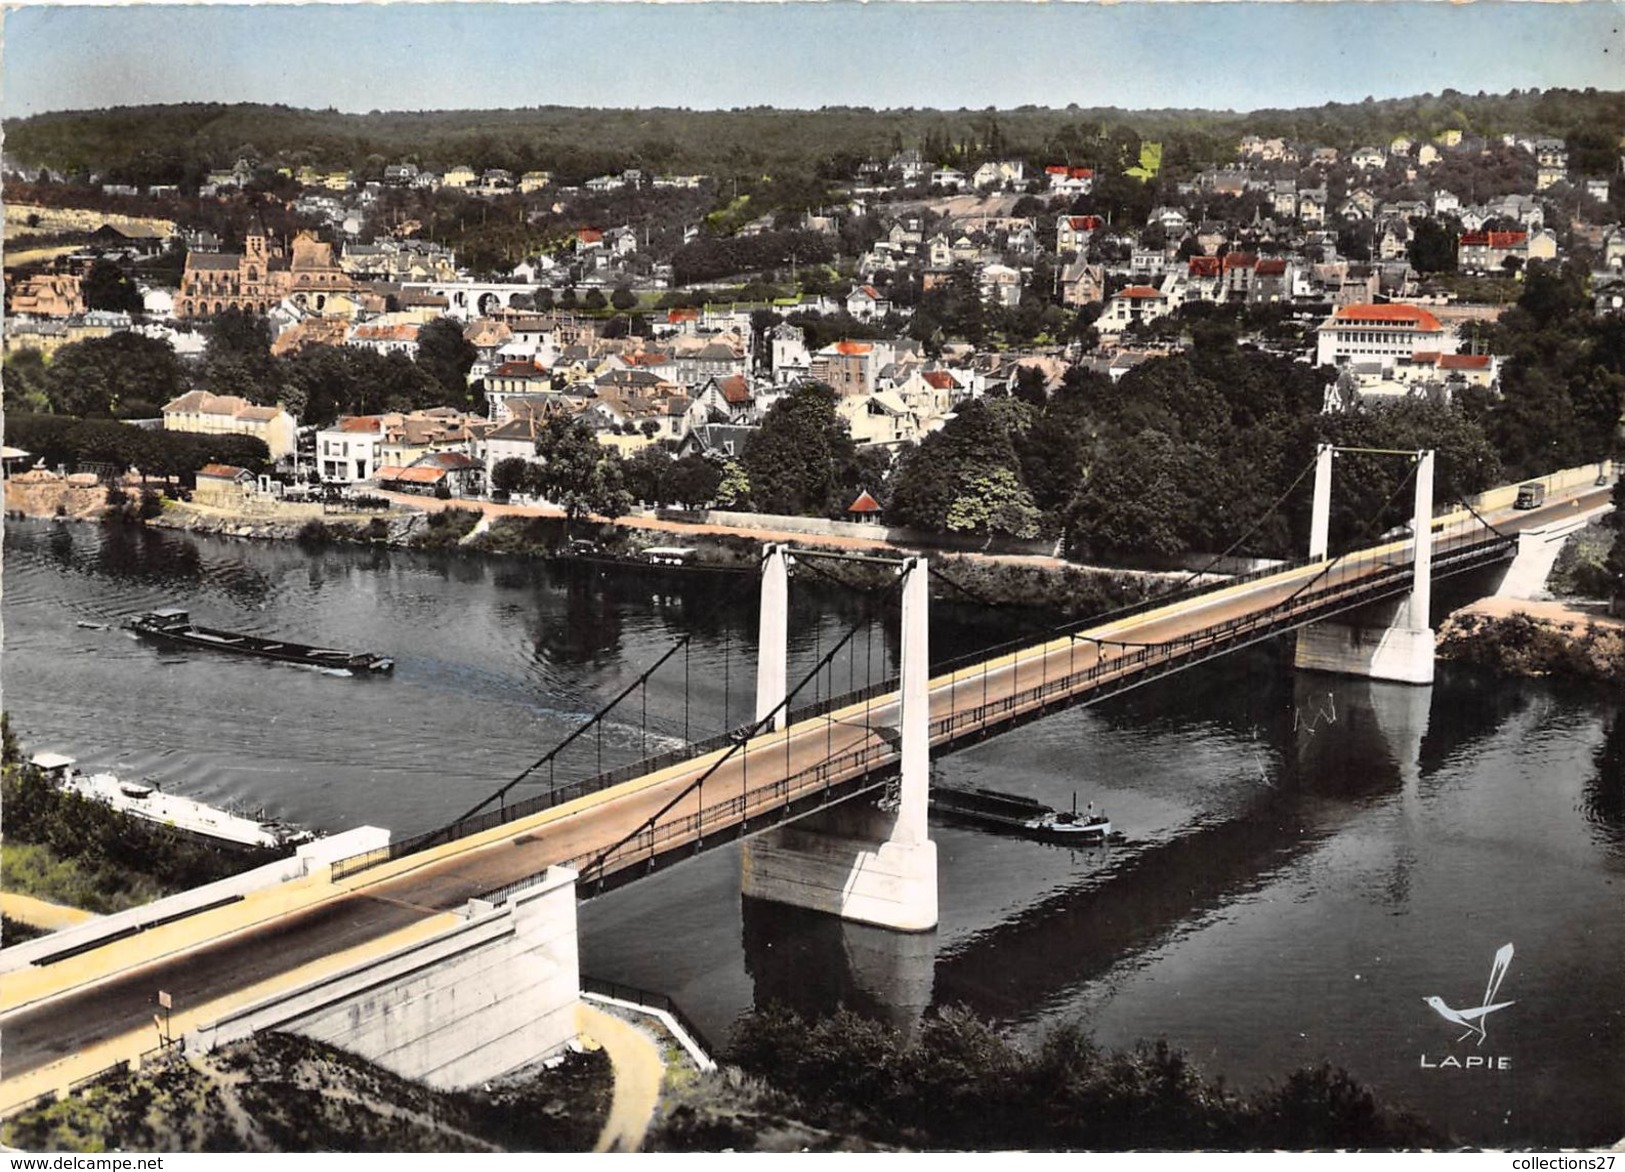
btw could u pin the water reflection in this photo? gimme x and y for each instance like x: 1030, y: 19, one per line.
x: 1602, y: 800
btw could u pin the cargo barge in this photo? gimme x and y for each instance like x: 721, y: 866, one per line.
x: 171, y: 624
x: 1014, y: 814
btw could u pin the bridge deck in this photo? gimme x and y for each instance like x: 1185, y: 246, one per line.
x: 219, y: 959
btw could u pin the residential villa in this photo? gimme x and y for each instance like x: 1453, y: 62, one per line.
x: 202, y: 413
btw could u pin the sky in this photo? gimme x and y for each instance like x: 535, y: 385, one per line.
x: 1139, y: 54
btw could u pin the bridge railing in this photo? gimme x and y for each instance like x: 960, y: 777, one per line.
x: 512, y: 811
x: 650, y: 1000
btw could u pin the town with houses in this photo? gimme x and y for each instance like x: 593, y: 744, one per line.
x: 882, y: 467
x: 1333, y: 243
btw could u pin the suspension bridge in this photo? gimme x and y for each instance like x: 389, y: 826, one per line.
x: 785, y: 780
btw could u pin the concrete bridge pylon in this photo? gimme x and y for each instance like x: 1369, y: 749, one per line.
x: 855, y: 860
x: 772, y: 639
x: 1391, y: 640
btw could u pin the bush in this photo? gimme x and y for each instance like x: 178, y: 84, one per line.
x: 959, y: 1084
x: 314, y: 534
x: 1581, y: 566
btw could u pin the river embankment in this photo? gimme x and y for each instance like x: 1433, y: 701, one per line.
x: 1560, y: 639
x: 476, y: 528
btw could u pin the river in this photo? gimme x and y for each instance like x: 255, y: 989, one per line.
x: 1306, y: 857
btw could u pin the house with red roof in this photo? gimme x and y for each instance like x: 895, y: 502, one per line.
x: 350, y: 450
x: 865, y: 303
x: 1137, y: 304
x: 223, y: 484
x: 1070, y: 180
x: 848, y: 366
x: 1364, y: 332
x: 1488, y: 252
x: 1072, y: 233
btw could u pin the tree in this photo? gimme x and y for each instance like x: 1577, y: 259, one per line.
x: 801, y: 460
x: 693, y: 480
x: 109, y: 287
x: 623, y: 298
x: 578, y: 473
x: 446, y: 357
x: 1433, y: 246
x: 123, y: 374
x: 955, y: 477
x: 733, y: 486
x: 646, y: 472
x: 595, y: 300
x: 510, y: 474
x: 238, y: 360
x: 993, y: 502
x: 1132, y: 502
x: 25, y: 381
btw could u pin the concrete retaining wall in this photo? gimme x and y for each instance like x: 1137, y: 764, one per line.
x: 470, y: 1004
x: 311, y: 856
x: 818, y: 527
x: 1568, y: 478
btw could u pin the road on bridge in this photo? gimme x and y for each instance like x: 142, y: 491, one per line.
x: 52, y: 1012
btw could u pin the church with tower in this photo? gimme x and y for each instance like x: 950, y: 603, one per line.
x: 261, y: 276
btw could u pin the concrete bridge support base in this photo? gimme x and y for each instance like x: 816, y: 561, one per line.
x: 846, y: 863
x: 1376, y: 642
x: 487, y: 996
x: 866, y: 864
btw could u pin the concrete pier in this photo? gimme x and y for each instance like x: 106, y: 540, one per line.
x: 856, y: 861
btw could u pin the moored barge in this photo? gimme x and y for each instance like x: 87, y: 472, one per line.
x: 144, y: 800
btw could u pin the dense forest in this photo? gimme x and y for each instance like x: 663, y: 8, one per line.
x: 178, y: 143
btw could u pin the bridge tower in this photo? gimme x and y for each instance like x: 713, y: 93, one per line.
x: 1389, y: 640
x: 855, y: 860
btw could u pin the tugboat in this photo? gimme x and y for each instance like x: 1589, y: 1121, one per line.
x: 1014, y: 814
x: 143, y: 800
x: 174, y: 625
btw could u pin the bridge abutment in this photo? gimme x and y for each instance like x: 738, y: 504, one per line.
x: 859, y: 862
x: 484, y: 997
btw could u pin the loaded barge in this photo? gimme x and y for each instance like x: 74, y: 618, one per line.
x: 146, y: 801
x: 173, y: 625
x: 1014, y: 814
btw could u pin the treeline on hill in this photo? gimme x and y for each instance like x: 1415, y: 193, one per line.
x: 130, y: 376
x: 93, y: 856
x: 958, y: 1084
x: 179, y: 143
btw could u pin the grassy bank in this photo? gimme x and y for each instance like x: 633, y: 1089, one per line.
x: 278, y: 1093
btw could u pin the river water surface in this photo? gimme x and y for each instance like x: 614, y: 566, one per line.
x: 1306, y: 857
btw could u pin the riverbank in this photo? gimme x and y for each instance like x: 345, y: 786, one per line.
x: 1559, y: 639
x: 1052, y: 586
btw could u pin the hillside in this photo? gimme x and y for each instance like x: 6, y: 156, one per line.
x: 169, y: 144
